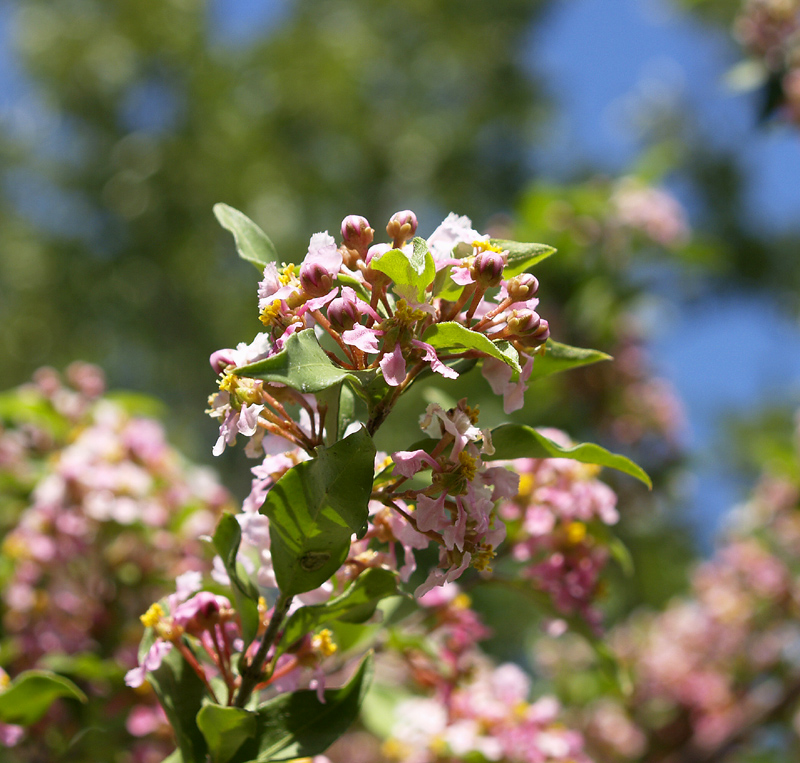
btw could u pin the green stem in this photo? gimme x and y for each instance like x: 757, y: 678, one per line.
x: 253, y: 674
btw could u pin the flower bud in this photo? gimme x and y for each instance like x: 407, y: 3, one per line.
x: 537, y: 337
x: 221, y: 359
x: 487, y: 269
x: 375, y: 277
x: 342, y: 313
x: 522, y: 287
x: 356, y: 233
x: 523, y: 322
x: 401, y: 227
x: 315, y: 280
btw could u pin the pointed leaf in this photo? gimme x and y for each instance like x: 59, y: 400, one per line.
x: 252, y: 243
x: 453, y: 337
x: 522, y: 257
x: 225, y: 730
x: 562, y: 357
x: 411, y: 273
x: 180, y: 692
x: 302, y: 365
x: 29, y: 696
x: 519, y: 441
x: 315, y: 508
x: 298, y: 725
x: 355, y: 605
x: 227, y: 538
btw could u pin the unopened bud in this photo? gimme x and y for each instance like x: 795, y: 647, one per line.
x: 342, y: 314
x: 401, y: 227
x: 376, y: 277
x: 221, y: 359
x: 523, y: 322
x: 538, y: 337
x: 522, y: 287
x: 356, y: 233
x: 315, y: 280
x: 487, y: 269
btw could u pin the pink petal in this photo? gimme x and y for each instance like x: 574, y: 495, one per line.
x: 408, y: 462
x: 365, y: 339
x: 433, y: 359
x: 394, y: 367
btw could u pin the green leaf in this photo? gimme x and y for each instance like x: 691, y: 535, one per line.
x: 227, y: 538
x: 174, y: 757
x: 225, y: 730
x: 519, y: 441
x: 28, y: 697
x: 180, y: 692
x: 411, y: 273
x: 302, y: 365
x: 315, y: 508
x: 453, y: 337
x: 522, y: 257
x: 561, y: 357
x: 355, y: 605
x: 252, y: 243
x: 298, y: 725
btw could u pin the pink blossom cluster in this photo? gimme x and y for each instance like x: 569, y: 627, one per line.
x: 455, y: 704
x: 108, y: 513
x: 550, y: 527
x: 374, y: 323
x: 770, y: 30
x: 717, y: 664
x: 651, y: 211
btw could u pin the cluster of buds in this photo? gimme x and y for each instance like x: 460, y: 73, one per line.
x: 377, y: 321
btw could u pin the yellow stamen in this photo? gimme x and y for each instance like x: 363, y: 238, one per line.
x: 152, y: 617
x: 576, y: 532
x: 270, y: 313
x: 526, y: 484
x: 287, y: 274
x: 485, y: 246
x: 229, y: 382
x: 462, y: 601
x: 482, y: 560
x: 323, y: 643
x: 468, y: 465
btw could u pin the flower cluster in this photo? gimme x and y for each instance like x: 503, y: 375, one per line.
x: 550, y: 523
x: 455, y: 704
x: 376, y: 306
x: 107, y: 512
x: 716, y: 665
x: 770, y: 30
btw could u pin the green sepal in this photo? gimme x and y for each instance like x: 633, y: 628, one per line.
x: 225, y: 730
x: 298, y: 725
x: 453, y: 337
x: 302, y: 365
x: 355, y: 605
x: 252, y: 243
x: 522, y: 257
x: 519, y: 441
x: 29, y: 696
x: 315, y: 508
x: 559, y: 357
x: 227, y: 539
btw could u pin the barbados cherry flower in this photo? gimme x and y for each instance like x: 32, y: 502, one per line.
x: 551, y: 521
x: 378, y: 319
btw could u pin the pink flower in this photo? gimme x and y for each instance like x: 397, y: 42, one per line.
x: 152, y: 661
